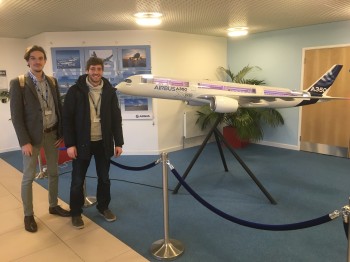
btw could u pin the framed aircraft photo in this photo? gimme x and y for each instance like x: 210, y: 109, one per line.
x: 67, y: 66
x: 134, y: 57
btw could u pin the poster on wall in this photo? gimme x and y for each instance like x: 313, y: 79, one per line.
x: 119, y: 63
x: 3, y: 81
x: 109, y: 57
x: 134, y: 57
x: 67, y: 66
x: 134, y: 107
x: 135, y: 60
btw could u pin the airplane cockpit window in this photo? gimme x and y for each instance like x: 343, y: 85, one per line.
x: 147, y: 80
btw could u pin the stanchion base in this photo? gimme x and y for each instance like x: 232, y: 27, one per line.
x: 40, y: 175
x: 167, y: 251
x: 90, y: 201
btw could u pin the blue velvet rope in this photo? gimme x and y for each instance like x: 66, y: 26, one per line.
x: 285, y: 227
x: 135, y: 168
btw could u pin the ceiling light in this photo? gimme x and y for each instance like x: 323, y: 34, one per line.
x: 237, y: 31
x: 148, y: 18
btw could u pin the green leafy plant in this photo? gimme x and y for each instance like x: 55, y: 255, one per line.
x: 248, y: 122
x: 4, y: 96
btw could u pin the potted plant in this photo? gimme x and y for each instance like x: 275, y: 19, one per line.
x: 246, y: 124
x: 4, y: 96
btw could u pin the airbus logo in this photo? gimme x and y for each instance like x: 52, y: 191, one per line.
x: 170, y: 88
x: 143, y: 116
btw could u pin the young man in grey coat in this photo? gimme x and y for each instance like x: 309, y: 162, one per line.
x: 36, y: 114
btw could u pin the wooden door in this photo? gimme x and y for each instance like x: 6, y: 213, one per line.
x: 325, y: 127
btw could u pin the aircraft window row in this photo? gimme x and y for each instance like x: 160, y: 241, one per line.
x: 165, y: 81
x: 227, y: 88
x: 276, y: 93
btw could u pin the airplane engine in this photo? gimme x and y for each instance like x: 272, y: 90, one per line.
x: 222, y: 104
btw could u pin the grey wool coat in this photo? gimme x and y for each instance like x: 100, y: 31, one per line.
x: 26, y: 112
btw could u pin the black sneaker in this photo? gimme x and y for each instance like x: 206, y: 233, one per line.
x: 30, y: 224
x: 57, y: 210
x: 77, y: 222
x: 108, y: 215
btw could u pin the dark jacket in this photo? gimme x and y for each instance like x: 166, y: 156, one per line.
x: 77, y: 123
x: 26, y: 113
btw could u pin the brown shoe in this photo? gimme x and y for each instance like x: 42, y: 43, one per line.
x: 30, y: 224
x: 57, y: 210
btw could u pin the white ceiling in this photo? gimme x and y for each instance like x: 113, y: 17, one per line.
x: 26, y: 18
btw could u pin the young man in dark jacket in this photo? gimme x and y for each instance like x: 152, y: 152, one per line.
x: 92, y: 126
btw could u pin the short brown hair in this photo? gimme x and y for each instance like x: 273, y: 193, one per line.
x: 94, y: 61
x: 33, y: 48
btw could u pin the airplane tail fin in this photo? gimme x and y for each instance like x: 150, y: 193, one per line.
x: 321, y: 86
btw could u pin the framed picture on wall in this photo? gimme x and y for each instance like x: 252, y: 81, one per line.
x: 134, y: 107
x: 134, y: 57
x: 67, y: 66
x: 109, y: 56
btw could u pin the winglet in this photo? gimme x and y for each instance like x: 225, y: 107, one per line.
x: 322, y: 85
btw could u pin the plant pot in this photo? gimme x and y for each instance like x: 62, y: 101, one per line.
x: 230, y: 134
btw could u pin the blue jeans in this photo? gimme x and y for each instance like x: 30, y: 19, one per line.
x: 29, y: 170
x: 80, y: 167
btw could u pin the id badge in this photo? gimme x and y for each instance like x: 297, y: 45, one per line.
x: 97, y: 120
x: 48, y: 112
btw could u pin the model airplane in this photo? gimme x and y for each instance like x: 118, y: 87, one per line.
x: 226, y: 97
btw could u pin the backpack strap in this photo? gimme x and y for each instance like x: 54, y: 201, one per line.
x: 22, y: 80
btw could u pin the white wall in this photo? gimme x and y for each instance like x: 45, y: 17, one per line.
x: 172, y: 54
x: 279, y: 54
x: 11, y: 53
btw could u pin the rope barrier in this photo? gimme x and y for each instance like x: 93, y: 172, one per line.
x: 285, y: 227
x: 136, y: 168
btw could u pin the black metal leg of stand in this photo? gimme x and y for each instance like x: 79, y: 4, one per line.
x: 250, y: 173
x: 218, y: 143
x: 197, y: 154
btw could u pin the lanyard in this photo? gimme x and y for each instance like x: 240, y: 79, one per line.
x: 96, y: 105
x: 46, y: 97
x: 39, y: 90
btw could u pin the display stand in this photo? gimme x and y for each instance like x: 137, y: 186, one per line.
x: 219, y: 137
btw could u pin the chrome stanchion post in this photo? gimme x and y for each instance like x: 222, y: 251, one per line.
x: 89, y: 200
x: 346, y: 213
x: 41, y: 173
x: 347, y: 216
x: 166, y: 249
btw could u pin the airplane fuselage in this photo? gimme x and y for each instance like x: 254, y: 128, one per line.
x: 201, y: 92
x: 225, y: 97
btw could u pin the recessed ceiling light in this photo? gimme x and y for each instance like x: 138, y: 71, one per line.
x: 148, y: 18
x: 237, y: 31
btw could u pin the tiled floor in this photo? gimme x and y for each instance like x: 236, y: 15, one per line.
x: 56, y: 239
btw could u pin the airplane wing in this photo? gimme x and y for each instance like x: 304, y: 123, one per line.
x: 252, y: 98
x: 244, y: 100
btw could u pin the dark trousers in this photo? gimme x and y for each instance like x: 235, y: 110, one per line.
x: 80, y: 167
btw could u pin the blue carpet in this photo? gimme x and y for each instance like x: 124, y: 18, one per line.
x: 305, y: 186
